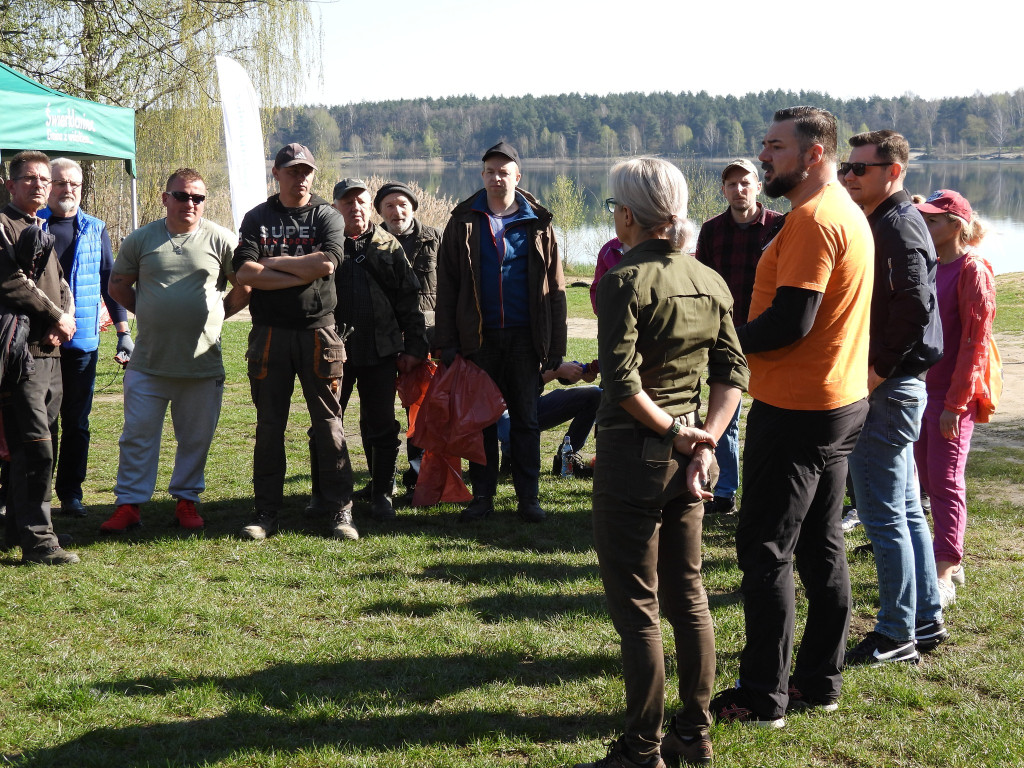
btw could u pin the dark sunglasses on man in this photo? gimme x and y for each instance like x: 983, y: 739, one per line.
x: 859, y: 169
x: 183, y: 197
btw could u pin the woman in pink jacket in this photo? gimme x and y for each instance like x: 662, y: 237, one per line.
x: 966, y: 292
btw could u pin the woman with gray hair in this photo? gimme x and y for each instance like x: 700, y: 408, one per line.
x: 663, y: 320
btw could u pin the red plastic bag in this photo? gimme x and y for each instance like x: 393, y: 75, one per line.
x: 412, y: 388
x: 440, y: 479
x: 460, y: 401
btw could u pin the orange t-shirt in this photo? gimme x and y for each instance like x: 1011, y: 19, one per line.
x: 825, y: 246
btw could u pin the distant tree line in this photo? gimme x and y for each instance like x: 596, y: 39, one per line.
x: 571, y: 126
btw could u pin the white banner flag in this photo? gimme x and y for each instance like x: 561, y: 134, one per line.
x: 243, y: 135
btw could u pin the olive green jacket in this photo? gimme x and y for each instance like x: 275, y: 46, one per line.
x: 663, y: 320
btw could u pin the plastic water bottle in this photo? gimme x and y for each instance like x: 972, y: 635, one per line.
x: 566, y: 453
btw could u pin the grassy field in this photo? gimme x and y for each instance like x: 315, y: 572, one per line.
x: 430, y: 643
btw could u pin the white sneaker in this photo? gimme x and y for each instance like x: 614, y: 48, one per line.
x: 947, y: 593
x: 958, y: 575
x: 851, y: 521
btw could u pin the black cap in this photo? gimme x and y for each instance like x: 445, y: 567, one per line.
x: 294, y: 154
x: 346, y: 185
x: 506, y: 149
x: 395, y: 188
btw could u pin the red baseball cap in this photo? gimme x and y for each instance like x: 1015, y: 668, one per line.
x: 947, y: 201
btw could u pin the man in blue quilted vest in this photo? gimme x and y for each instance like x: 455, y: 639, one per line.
x: 83, y: 248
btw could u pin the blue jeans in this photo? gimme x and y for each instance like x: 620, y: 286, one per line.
x: 727, y: 453
x: 577, y: 405
x: 889, y: 505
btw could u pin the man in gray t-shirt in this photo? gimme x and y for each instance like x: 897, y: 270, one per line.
x: 172, y: 273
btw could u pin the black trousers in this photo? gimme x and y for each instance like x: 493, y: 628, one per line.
x: 508, y: 356
x: 30, y: 412
x: 794, y: 477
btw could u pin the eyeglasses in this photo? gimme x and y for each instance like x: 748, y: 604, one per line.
x: 42, y: 181
x: 68, y: 184
x: 610, y: 204
x: 184, y: 197
x: 859, y: 169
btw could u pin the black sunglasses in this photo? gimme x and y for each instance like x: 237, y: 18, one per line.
x: 859, y: 169
x: 183, y: 197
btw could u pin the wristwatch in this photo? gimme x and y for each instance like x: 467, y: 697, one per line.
x: 669, y: 437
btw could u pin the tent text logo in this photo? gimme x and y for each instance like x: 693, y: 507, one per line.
x: 64, y: 124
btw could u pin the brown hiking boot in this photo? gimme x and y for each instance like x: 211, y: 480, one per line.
x: 679, y: 750
x: 617, y: 758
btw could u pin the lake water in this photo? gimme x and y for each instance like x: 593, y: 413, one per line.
x: 995, y: 190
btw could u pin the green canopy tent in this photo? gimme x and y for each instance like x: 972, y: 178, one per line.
x: 37, y: 117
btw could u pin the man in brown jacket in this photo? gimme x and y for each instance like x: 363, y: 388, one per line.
x: 31, y: 284
x: 501, y: 304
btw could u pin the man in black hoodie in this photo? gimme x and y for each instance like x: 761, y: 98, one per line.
x: 289, y: 248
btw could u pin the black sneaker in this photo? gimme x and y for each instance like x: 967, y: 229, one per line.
x: 798, y: 702
x: 617, y: 758
x: 877, y: 649
x: 730, y: 706
x: 73, y: 508
x: 529, y: 511
x: 679, y: 750
x: 928, y: 635
x: 479, y: 508
x: 720, y: 505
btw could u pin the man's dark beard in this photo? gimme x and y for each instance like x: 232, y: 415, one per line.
x: 780, y: 185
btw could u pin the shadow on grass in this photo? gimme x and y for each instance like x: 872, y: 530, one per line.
x: 352, y: 706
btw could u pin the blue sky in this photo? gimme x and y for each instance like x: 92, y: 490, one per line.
x: 416, y: 48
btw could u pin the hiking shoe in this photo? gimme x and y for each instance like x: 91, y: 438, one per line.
x: 800, y: 703
x: 929, y: 634
x: 958, y: 577
x: 479, y: 508
x: 49, y: 556
x: 877, y: 649
x: 186, y: 515
x: 382, y: 508
x: 617, y: 758
x: 685, y: 750
x: 947, y: 593
x: 730, y: 706
x: 263, y: 526
x: 342, y: 526
x: 73, y: 508
x: 720, y: 505
x: 851, y: 520
x: 315, y: 507
x: 529, y: 511
x: 125, y: 517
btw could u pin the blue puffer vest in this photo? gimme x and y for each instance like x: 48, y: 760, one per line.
x: 85, y: 281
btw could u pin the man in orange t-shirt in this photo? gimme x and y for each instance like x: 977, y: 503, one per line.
x: 806, y: 343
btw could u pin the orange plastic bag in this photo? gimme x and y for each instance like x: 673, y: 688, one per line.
x: 440, y: 479
x: 412, y: 388
x: 460, y: 401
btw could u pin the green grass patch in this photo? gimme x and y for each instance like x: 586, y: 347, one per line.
x: 430, y: 643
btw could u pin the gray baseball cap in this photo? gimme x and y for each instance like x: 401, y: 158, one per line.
x: 739, y: 162
x: 347, y: 185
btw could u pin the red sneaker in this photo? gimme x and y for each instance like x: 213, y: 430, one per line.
x: 125, y: 517
x: 185, y: 512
